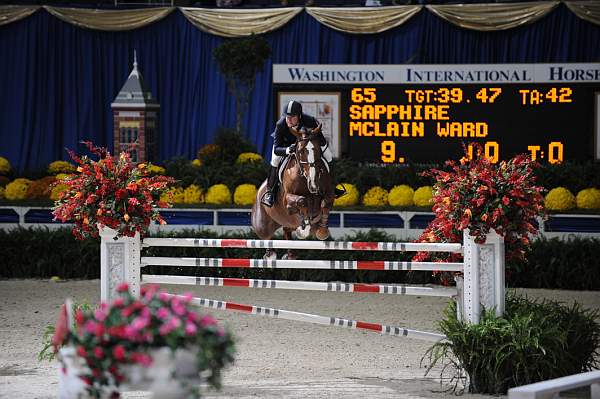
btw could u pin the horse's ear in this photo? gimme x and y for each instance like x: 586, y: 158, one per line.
x: 317, y: 129
x: 295, y: 132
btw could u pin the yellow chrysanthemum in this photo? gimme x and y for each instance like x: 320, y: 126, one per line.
x: 175, y: 195
x: 218, y: 194
x: 196, y: 163
x: 60, y: 167
x: 588, y: 199
x: 193, y: 194
x: 56, y: 190
x: 351, y: 197
x: 248, y: 157
x: 559, y: 199
x: 375, y: 196
x: 157, y: 170
x: 17, y: 189
x: 423, y: 196
x: 244, y: 194
x: 401, y: 195
x: 4, y: 166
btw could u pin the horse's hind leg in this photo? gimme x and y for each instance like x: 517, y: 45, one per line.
x: 287, y: 235
x: 263, y: 225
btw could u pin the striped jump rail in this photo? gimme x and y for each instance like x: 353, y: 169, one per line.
x: 302, y: 264
x: 397, y: 289
x: 291, y: 244
x: 317, y: 319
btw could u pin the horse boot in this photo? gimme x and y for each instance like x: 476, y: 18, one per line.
x: 268, y: 198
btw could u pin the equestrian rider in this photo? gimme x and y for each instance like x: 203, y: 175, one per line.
x: 284, y: 144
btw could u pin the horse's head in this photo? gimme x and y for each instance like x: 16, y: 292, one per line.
x: 308, y: 154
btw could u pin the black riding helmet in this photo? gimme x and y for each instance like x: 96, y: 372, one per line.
x: 293, y: 108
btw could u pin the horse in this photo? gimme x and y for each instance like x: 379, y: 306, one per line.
x: 305, y: 196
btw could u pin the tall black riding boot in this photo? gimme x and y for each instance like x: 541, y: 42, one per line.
x: 271, y: 193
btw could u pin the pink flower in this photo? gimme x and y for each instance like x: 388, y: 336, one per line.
x: 100, y: 314
x: 187, y: 297
x: 177, y: 306
x: 119, y: 302
x: 81, y: 351
x: 140, y: 323
x: 119, y: 352
x: 207, y: 320
x: 90, y: 327
x: 162, y: 313
x: 123, y: 287
x: 163, y: 296
x: 99, y: 352
x: 190, y: 328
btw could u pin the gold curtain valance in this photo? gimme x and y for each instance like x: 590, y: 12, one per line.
x: 239, y: 22
x: 110, y: 20
x: 365, y: 19
x: 588, y: 10
x: 493, y: 16
x: 10, y: 14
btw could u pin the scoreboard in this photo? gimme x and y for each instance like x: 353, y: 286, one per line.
x: 426, y: 113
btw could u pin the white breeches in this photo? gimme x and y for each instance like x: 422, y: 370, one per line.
x: 276, y: 159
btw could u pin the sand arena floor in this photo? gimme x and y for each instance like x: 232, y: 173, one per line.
x: 276, y: 358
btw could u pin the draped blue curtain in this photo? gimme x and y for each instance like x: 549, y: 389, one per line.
x: 57, y: 81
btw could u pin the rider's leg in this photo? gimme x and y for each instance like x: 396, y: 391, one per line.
x: 328, y: 157
x: 272, y: 181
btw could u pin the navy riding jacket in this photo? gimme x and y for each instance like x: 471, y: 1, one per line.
x: 283, y: 138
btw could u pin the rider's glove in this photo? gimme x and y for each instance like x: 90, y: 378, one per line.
x: 291, y: 149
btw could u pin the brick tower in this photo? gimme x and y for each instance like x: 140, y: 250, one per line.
x: 135, y: 119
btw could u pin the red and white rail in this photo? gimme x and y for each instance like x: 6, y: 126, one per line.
x: 397, y: 289
x: 290, y: 244
x: 302, y: 264
x: 317, y: 319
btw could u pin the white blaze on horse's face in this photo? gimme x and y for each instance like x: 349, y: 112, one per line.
x: 312, y: 171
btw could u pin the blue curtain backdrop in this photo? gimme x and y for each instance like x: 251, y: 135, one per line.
x: 57, y: 81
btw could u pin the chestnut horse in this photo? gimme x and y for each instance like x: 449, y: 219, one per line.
x: 304, y: 198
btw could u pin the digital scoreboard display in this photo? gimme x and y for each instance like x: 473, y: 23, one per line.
x: 425, y: 114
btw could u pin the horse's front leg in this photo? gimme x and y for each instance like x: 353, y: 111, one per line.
x: 287, y: 235
x: 322, y: 232
x: 300, y: 203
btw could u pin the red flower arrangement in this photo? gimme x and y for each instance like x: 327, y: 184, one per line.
x: 115, y: 336
x: 481, y: 196
x: 111, y: 192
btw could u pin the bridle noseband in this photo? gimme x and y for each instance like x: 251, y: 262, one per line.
x: 310, y: 164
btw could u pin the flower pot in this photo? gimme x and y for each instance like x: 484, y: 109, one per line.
x: 170, y: 376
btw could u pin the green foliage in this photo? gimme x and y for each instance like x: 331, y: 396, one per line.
x: 575, y: 176
x: 558, y: 264
x: 232, y: 144
x: 239, y: 60
x: 534, y: 341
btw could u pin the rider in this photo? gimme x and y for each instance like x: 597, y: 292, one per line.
x: 284, y: 143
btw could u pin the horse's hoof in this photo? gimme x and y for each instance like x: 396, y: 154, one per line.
x: 289, y: 256
x: 322, y: 233
x: 303, y: 233
x: 270, y: 255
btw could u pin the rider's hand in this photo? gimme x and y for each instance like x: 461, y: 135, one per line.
x: 291, y: 149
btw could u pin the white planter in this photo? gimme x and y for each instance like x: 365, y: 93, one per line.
x: 170, y: 376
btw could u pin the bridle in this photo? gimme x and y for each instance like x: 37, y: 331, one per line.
x: 314, y: 164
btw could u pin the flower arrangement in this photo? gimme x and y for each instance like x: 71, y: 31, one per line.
x: 423, y: 196
x: 375, y: 196
x: 196, y: 163
x: 244, y: 194
x: 401, y: 195
x: 57, y: 190
x: 111, y: 192
x: 4, y: 166
x: 60, y: 167
x: 246, y: 157
x: 588, y: 199
x: 481, y: 196
x: 17, y: 189
x: 124, y: 332
x: 351, y: 197
x: 193, y: 194
x: 560, y: 199
x: 218, y: 194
